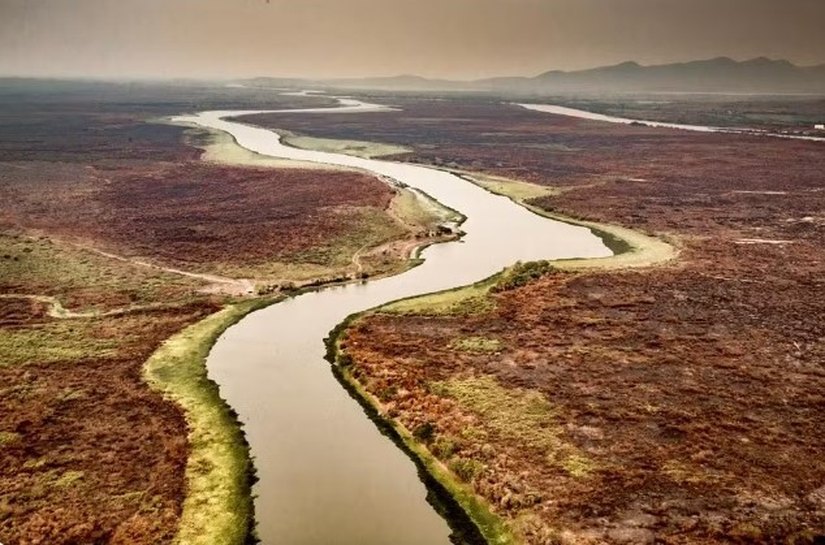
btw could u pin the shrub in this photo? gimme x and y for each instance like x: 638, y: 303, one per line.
x: 424, y: 432
x: 521, y: 274
x: 467, y: 469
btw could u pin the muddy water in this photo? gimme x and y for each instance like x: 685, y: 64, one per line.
x: 327, y: 475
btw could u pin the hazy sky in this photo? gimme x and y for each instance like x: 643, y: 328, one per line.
x: 440, y: 38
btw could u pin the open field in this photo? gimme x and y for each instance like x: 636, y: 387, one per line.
x: 681, y: 402
x: 114, y: 234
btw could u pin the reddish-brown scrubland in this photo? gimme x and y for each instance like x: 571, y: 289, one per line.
x: 681, y: 403
x: 193, y: 214
x: 88, y: 452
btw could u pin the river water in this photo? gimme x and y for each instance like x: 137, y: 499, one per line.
x: 593, y: 116
x: 327, y: 474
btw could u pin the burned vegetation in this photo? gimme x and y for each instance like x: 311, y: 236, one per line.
x: 103, y: 208
x: 679, y: 403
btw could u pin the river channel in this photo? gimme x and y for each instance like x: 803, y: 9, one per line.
x: 328, y: 476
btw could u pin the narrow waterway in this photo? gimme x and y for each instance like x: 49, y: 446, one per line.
x: 327, y: 474
x: 593, y: 116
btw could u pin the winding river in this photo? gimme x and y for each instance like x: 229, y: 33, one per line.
x: 327, y: 474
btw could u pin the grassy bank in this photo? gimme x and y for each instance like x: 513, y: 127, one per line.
x: 221, y: 147
x: 218, y: 509
x: 464, y: 300
x: 630, y: 248
x: 357, y: 148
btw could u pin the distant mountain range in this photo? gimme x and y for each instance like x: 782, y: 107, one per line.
x: 719, y: 75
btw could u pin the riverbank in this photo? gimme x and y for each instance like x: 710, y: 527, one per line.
x: 218, y: 506
x: 631, y: 248
x: 468, y: 513
x: 481, y: 252
x: 375, y: 248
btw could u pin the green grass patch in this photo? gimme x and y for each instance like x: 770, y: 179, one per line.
x: 522, y: 415
x: 63, y: 340
x: 9, y: 438
x: 577, y: 466
x: 218, y: 507
x: 522, y: 274
x: 419, y: 211
x: 468, y: 300
x: 476, y: 344
x: 221, y: 147
x: 466, y: 469
x: 464, y: 301
x: 358, y: 148
x: 515, y: 189
x: 516, y: 416
x: 69, y: 478
x: 40, y: 266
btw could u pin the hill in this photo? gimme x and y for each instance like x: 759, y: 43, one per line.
x: 718, y: 75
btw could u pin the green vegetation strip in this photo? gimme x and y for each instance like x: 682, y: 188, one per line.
x: 218, y: 508
x: 630, y: 248
x: 472, y: 299
x: 463, y: 301
x: 523, y: 416
x: 357, y: 148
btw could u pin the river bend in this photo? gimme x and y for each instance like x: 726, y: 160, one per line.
x: 327, y: 474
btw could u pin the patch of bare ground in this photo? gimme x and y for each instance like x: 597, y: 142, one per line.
x: 678, y: 404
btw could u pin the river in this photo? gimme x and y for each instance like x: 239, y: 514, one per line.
x: 327, y: 474
x: 593, y: 116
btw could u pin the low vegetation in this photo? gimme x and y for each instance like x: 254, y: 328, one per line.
x: 456, y: 302
x: 72, y: 378
x: 116, y: 240
x: 515, y: 189
x: 476, y: 344
x: 367, y: 150
x: 642, y: 374
x: 516, y: 416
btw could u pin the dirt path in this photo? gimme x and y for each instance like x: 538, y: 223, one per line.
x: 217, y: 284
x: 55, y: 308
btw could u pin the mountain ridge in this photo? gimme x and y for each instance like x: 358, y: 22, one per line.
x: 716, y: 75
